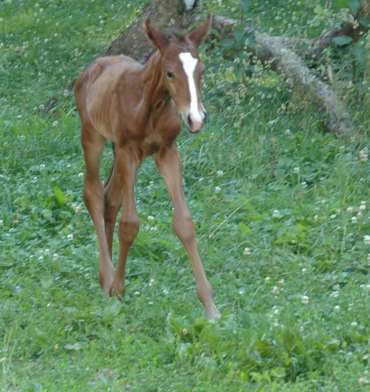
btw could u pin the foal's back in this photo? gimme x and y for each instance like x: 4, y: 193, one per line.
x: 96, y: 91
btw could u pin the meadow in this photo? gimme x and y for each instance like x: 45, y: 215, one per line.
x: 281, y: 210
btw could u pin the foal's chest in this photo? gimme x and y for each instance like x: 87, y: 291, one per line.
x: 152, y: 143
x: 161, y: 136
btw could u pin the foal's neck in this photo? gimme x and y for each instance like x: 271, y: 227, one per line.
x: 155, y: 92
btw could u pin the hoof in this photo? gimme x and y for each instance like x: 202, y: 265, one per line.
x: 106, y: 282
x: 116, y: 289
x: 213, y: 314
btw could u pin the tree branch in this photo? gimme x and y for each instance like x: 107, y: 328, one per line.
x: 354, y: 29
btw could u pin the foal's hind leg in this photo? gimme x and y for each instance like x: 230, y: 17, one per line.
x: 127, y: 162
x: 112, y: 204
x: 93, y: 144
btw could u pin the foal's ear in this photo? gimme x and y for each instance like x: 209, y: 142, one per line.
x: 158, y: 38
x: 198, y: 35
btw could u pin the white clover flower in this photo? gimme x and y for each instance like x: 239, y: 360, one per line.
x: 275, y: 290
x: 276, y: 214
x: 217, y: 189
x: 350, y: 209
x: 296, y: 170
x: 363, y: 381
x: 305, y: 299
x: 367, y: 239
x: 247, y: 252
x: 354, y: 220
x: 70, y: 236
x: 220, y: 173
x: 363, y: 155
x: 337, y: 308
x: 354, y: 324
x: 150, y: 218
x: 275, y: 310
x: 76, y: 208
x: 241, y: 291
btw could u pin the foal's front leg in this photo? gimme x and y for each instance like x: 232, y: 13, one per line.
x: 126, y: 166
x: 168, y: 162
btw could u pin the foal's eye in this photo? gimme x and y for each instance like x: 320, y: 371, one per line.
x: 170, y: 75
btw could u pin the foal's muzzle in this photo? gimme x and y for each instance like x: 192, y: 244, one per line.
x: 195, y: 125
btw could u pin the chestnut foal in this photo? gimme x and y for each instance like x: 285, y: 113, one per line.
x: 136, y: 107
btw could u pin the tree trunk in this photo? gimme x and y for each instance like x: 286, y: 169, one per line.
x: 164, y: 13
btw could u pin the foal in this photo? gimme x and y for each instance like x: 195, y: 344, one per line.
x: 136, y: 107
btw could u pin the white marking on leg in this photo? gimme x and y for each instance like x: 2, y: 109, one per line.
x: 189, y: 64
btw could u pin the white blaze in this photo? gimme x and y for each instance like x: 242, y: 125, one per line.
x: 189, y: 64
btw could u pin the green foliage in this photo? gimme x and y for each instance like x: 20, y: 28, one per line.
x: 282, y: 214
x: 342, y: 40
x: 353, y: 5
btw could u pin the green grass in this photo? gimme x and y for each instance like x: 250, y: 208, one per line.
x: 282, y: 211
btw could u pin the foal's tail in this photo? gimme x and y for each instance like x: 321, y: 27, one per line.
x: 111, y: 170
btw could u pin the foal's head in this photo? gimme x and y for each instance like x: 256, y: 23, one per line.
x: 182, y: 70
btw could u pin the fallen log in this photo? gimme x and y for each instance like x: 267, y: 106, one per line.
x: 275, y: 52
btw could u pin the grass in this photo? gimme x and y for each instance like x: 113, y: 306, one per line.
x: 282, y: 212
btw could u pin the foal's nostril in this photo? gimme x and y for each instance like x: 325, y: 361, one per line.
x: 205, y: 116
x: 190, y: 121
